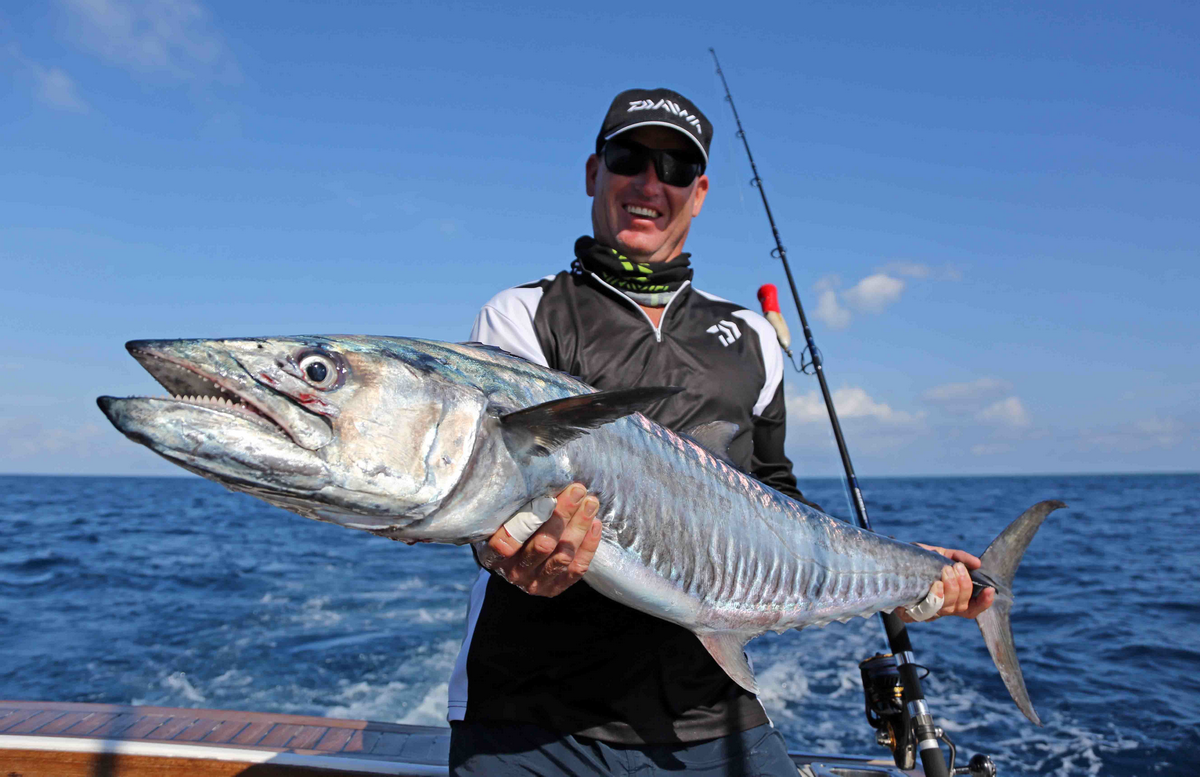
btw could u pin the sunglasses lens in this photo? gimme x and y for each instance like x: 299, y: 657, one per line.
x: 676, y: 169
x: 625, y: 160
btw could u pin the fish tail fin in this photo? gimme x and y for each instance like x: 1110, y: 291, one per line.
x: 1000, y: 563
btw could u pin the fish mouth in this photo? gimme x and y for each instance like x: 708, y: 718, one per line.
x: 220, y: 390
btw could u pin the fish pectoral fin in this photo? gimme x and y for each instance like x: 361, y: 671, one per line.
x: 539, y: 430
x: 715, y: 437
x: 727, y: 649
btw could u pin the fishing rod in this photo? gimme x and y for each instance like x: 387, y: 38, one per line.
x: 892, y: 676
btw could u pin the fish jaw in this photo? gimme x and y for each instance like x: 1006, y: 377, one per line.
x: 212, y: 369
x: 219, y: 443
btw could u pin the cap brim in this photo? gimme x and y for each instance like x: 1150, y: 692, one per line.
x: 676, y: 127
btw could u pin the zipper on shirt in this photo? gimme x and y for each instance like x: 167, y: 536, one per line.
x: 657, y: 329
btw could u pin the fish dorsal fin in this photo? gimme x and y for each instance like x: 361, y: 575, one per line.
x: 541, y: 429
x: 715, y: 437
x: 727, y: 649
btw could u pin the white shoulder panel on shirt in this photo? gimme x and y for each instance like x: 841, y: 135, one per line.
x: 772, y: 353
x: 506, y: 321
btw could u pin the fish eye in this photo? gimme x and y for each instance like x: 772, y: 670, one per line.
x: 321, y: 371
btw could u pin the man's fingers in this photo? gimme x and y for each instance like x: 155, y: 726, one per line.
x: 545, y: 539
x: 580, y: 522
x: 980, y: 603
x: 509, y: 538
x: 958, y: 589
x: 574, y: 533
x: 568, y: 500
x: 542, y: 543
x: 587, y: 549
x: 527, y: 521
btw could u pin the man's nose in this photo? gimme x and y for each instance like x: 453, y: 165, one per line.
x: 647, y: 180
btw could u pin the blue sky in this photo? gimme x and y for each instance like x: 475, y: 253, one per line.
x: 992, y: 212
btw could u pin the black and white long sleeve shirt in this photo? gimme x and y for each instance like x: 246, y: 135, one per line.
x: 580, y: 663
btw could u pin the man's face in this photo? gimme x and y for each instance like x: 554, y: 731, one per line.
x: 657, y: 230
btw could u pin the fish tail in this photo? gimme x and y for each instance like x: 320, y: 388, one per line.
x: 1000, y: 563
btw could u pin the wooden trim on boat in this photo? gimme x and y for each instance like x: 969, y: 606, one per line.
x: 68, y: 739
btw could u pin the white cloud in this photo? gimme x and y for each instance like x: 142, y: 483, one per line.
x: 830, y: 311
x: 870, y: 295
x: 52, y: 85
x: 909, y: 269
x: 807, y: 408
x: 973, y: 391
x: 851, y: 402
x: 875, y: 292
x: 1006, y: 412
x: 919, y: 270
x: 153, y: 37
x: 56, y: 89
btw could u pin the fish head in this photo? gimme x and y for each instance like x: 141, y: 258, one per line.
x: 370, y: 433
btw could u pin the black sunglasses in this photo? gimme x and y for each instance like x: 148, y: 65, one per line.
x: 674, y: 167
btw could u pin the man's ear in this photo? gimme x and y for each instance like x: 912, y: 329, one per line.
x: 593, y: 169
x: 699, y: 195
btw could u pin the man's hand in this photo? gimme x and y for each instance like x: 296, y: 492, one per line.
x: 557, y: 554
x: 955, y: 586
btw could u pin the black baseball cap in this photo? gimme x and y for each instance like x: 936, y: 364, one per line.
x: 656, y: 107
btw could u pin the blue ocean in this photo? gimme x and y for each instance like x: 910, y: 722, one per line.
x: 174, y: 591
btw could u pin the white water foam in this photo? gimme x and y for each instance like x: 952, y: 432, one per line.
x: 179, y: 688
x: 433, y: 708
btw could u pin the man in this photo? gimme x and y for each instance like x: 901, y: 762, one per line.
x: 565, y: 681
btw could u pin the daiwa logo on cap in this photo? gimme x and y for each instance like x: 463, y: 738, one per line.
x: 641, y: 107
x: 667, y: 105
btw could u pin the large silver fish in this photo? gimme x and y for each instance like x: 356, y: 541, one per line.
x: 435, y: 442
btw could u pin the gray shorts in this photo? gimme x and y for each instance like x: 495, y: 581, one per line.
x: 523, y: 749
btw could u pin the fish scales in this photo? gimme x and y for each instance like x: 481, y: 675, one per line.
x: 682, y: 510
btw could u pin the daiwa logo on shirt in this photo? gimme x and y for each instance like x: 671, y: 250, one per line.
x: 726, y: 331
x: 666, y: 105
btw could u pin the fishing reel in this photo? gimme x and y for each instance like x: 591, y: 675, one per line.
x: 895, y: 729
x: 883, y: 693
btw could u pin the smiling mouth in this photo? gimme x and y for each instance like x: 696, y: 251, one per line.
x: 642, y: 211
x: 188, y: 386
